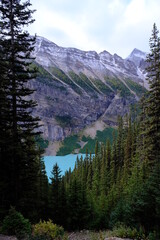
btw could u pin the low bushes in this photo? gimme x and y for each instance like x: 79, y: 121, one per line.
x: 123, y: 231
x: 15, y: 224
x: 47, y: 230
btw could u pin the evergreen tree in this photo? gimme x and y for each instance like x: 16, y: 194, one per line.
x: 152, y: 133
x: 63, y: 214
x: 103, y: 170
x: 120, y: 143
x: 114, y: 162
x: 96, y: 148
x: 19, y: 154
x: 55, y: 194
x: 90, y: 175
x: 75, y: 204
x: 128, y: 147
x: 108, y: 166
x: 43, y: 192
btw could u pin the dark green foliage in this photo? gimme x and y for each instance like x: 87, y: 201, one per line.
x: 107, y: 133
x: 123, y: 231
x: 118, y: 86
x: 83, y: 84
x: 42, y: 143
x: 19, y: 153
x: 152, y: 106
x: 102, y: 87
x: 45, y: 77
x: 75, y: 204
x: 85, y: 139
x: 56, y: 194
x: 101, y: 136
x: 15, y: 224
x: 69, y: 145
x: 88, y: 82
x: 137, y: 88
x: 41, y: 72
x: 43, y: 192
x: 64, y: 78
x: 90, y: 145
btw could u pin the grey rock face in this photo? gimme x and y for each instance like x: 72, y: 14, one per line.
x: 137, y: 56
x: 75, y: 88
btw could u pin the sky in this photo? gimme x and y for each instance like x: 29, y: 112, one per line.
x: 117, y: 26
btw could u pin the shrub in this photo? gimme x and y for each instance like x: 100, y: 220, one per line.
x: 15, y: 224
x: 47, y: 230
x: 152, y: 236
x: 123, y: 231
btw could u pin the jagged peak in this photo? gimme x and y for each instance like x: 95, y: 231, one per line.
x: 43, y: 39
x: 137, y: 53
x: 105, y: 53
x: 117, y: 56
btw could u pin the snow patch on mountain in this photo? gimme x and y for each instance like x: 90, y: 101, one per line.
x: 92, y: 64
x: 137, y: 56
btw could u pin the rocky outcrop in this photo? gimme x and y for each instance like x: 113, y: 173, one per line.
x: 5, y: 237
x: 64, y: 112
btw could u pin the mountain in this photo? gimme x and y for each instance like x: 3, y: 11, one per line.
x: 78, y: 88
x: 137, y: 57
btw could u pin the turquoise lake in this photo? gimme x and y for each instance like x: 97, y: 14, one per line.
x: 64, y: 162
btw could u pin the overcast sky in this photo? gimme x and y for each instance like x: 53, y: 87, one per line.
x: 117, y: 26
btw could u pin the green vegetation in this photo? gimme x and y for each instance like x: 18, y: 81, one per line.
x: 41, y: 72
x: 88, y: 82
x: 123, y: 231
x: 20, y: 158
x: 101, y: 136
x: 51, y: 82
x: 15, y: 224
x: 64, y: 78
x: 47, y: 230
x: 138, y: 89
x: 101, y: 86
x: 119, y: 86
x: 68, y: 145
x: 90, y: 145
x: 42, y: 143
x: 106, y: 134
x: 80, y: 82
x: 71, y: 143
x: 43, y: 76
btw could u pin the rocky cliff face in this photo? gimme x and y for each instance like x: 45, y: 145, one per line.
x: 75, y: 88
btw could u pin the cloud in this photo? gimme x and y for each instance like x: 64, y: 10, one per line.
x: 115, y: 25
x: 134, y: 27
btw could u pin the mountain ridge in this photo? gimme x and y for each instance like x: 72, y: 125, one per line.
x: 103, y: 61
x: 76, y: 88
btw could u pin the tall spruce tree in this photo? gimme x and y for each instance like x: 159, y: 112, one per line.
x: 152, y: 132
x: 19, y: 154
x: 56, y: 193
